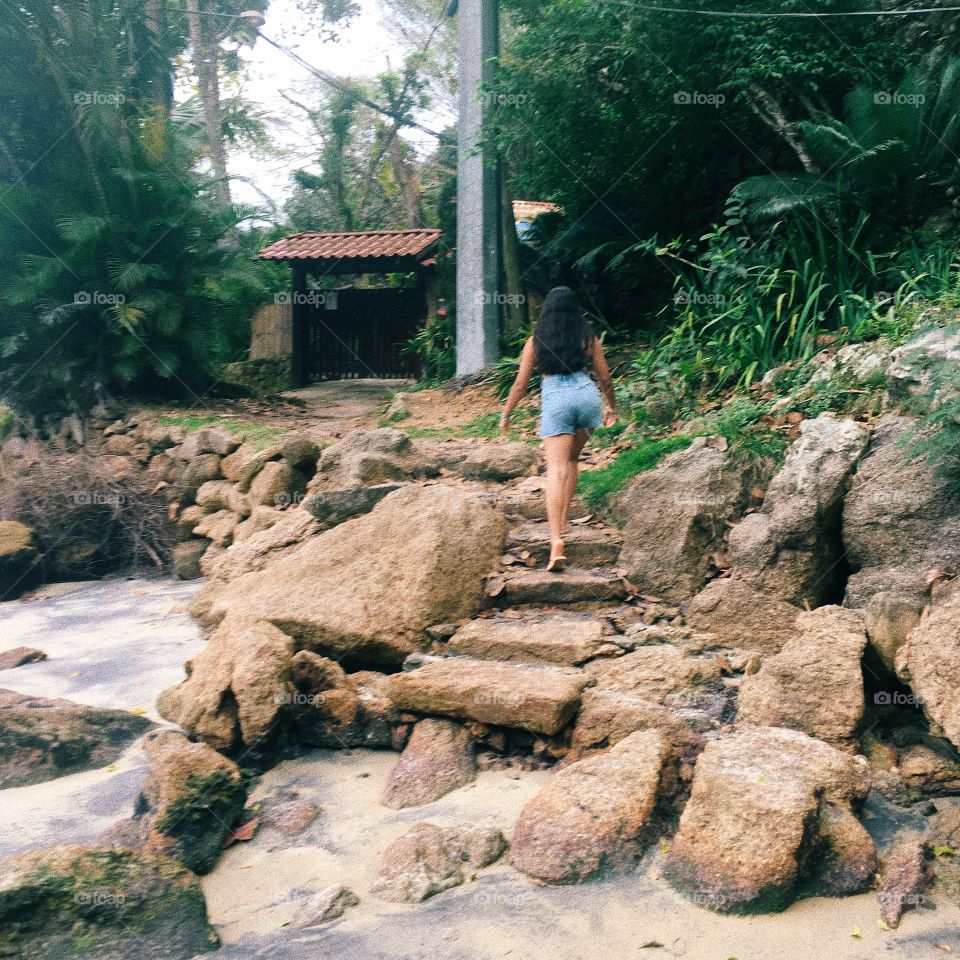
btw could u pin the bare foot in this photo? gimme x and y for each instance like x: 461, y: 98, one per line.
x: 558, y: 559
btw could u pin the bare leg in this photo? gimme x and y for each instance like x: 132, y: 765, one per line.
x: 580, y: 439
x: 557, y: 452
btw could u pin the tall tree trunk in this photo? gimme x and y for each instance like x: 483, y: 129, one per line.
x: 161, y: 77
x: 515, y: 316
x: 407, y: 179
x: 206, y: 64
x: 765, y: 106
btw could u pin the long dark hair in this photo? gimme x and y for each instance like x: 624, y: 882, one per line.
x: 563, y: 335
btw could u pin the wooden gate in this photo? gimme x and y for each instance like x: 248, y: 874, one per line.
x: 354, y: 334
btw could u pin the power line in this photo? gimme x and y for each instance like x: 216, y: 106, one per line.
x: 783, y: 15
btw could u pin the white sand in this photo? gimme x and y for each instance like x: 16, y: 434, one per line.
x: 502, y: 914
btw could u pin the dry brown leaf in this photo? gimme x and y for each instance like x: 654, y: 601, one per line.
x: 242, y: 833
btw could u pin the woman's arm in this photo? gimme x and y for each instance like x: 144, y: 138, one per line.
x: 602, y: 371
x: 519, y: 388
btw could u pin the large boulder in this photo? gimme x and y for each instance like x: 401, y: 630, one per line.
x: 73, y: 902
x: 41, y: 739
x: 815, y: 683
x: 675, y: 515
x: 438, y: 758
x: 429, y: 859
x: 911, y: 366
x: 365, y: 591
x: 929, y: 661
x: 366, y: 457
x: 791, y: 548
x: 193, y: 796
x: 277, y: 534
x: 770, y: 818
x: 742, y: 617
x: 538, y: 699
x: 900, y: 525
x: 330, y: 507
x: 236, y: 687
x: 19, y: 559
x: 592, y: 815
x: 485, y: 461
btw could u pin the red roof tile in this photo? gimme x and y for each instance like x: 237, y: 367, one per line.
x: 368, y: 244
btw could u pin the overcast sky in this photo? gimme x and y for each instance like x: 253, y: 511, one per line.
x: 363, y: 49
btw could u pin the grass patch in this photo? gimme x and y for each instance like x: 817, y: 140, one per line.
x: 484, y: 427
x: 597, y: 486
x: 258, y: 435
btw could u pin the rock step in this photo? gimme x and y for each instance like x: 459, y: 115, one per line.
x: 545, y: 589
x: 586, y: 546
x: 566, y: 638
x: 531, y: 505
x: 538, y: 699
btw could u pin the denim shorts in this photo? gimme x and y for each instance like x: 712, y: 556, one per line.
x: 568, y: 403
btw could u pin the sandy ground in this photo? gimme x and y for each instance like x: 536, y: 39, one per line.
x: 110, y: 644
x: 118, y: 643
x: 255, y: 887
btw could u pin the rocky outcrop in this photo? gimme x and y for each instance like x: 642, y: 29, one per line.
x: 367, y: 457
x: 741, y: 617
x: 41, y: 739
x: 365, y: 591
x: 333, y: 709
x: 675, y: 515
x: 814, y: 683
x: 19, y: 559
x: 910, y: 368
x: 791, y: 548
x: 592, y: 815
x: 71, y: 902
x: 770, y: 818
x: 429, y: 859
x: 538, y: 699
x: 929, y: 662
x: 900, y: 525
x: 236, y: 687
x: 438, y: 758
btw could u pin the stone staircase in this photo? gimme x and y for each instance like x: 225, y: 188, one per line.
x: 528, y: 661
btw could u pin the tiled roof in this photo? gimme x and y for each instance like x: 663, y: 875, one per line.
x: 368, y: 244
x: 527, y: 210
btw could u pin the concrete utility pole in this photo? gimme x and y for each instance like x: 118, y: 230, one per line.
x: 478, y: 197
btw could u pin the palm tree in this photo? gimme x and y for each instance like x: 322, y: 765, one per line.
x: 895, y: 152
